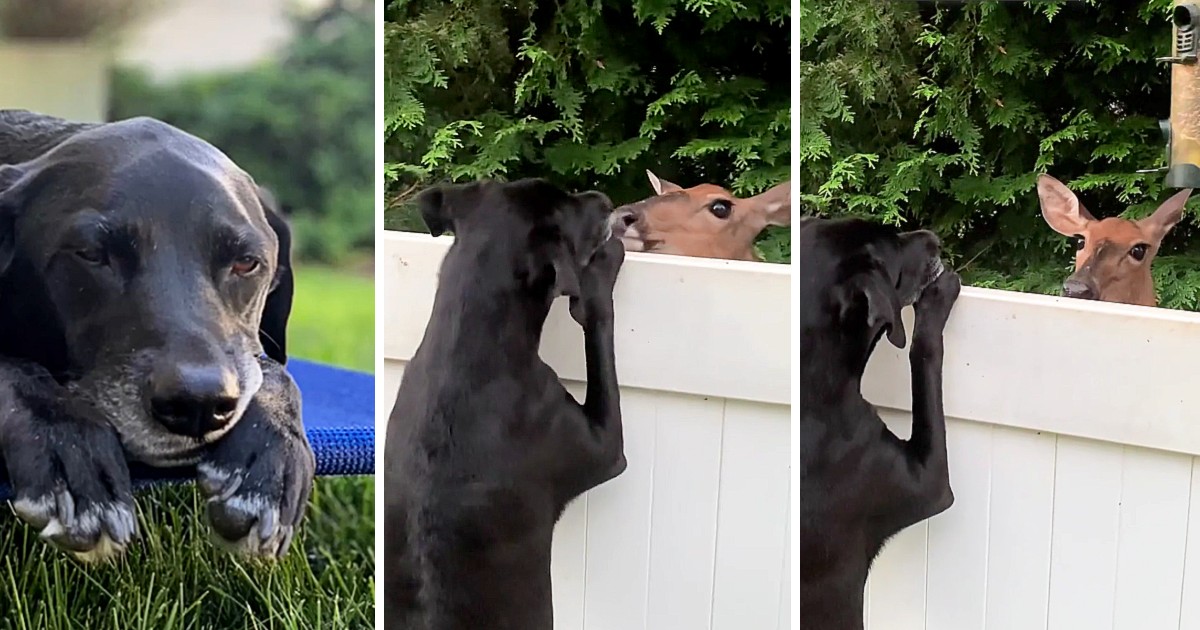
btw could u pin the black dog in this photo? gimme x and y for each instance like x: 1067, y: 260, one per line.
x: 859, y: 483
x: 485, y: 447
x: 141, y: 280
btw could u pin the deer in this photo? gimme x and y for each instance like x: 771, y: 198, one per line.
x: 705, y: 220
x: 1112, y: 255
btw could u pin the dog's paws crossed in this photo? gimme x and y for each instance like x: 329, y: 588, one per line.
x: 936, y: 301
x: 597, y: 281
x: 72, y: 484
x: 259, y: 476
x: 96, y: 533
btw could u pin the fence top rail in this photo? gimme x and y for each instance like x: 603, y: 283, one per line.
x: 1111, y: 372
x: 687, y: 325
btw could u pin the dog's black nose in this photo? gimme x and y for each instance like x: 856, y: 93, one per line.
x: 1073, y: 288
x: 193, y: 400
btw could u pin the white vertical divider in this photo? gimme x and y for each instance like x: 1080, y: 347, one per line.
x: 618, y: 524
x: 1019, y: 532
x: 683, y: 525
x: 958, y: 537
x: 1083, y: 553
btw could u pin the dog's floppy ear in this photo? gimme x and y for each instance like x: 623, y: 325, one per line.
x: 549, y: 251
x: 882, y: 305
x: 11, y: 200
x: 272, y: 332
x: 566, y: 280
x: 444, y: 205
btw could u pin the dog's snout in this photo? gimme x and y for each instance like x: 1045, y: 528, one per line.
x: 193, y: 399
x: 1076, y: 288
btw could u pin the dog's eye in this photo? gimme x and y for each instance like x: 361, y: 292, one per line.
x: 720, y: 209
x: 92, y: 256
x: 1079, y: 243
x: 1138, y: 251
x: 244, y: 266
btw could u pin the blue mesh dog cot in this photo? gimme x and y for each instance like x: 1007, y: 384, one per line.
x: 339, y: 418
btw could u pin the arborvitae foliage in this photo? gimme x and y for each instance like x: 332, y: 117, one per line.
x: 588, y: 93
x: 942, y: 115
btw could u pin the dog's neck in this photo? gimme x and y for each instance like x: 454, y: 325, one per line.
x: 497, y: 306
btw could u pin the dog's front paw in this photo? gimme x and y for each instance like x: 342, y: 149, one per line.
x: 259, y: 476
x: 597, y: 281
x: 71, y: 481
x: 936, y: 301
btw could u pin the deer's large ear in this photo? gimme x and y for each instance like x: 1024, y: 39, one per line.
x: 1166, y: 216
x: 442, y: 207
x: 272, y: 331
x: 1061, y: 208
x: 660, y: 185
x: 774, y: 205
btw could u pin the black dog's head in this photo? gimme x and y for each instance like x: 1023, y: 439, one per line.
x: 161, y: 273
x: 543, y: 234
x: 856, y: 276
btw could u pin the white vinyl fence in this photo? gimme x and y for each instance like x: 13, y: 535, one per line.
x: 1072, y: 431
x: 694, y: 535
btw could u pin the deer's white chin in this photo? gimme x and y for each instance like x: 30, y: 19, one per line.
x: 631, y: 238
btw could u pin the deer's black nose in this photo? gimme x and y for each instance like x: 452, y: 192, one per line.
x: 1075, y: 288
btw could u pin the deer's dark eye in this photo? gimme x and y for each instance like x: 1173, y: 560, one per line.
x: 1079, y: 242
x: 720, y: 209
x: 1138, y: 251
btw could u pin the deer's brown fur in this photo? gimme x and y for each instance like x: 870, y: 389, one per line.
x: 694, y: 222
x: 1113, y: 255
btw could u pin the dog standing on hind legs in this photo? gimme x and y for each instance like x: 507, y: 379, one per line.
x: 485, y: 448
x: 859, y: 483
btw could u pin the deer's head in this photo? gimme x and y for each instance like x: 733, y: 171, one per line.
x: 704, y: 220
x: 1113, y: 255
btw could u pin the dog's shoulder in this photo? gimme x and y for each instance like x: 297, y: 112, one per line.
x: 24, y: 135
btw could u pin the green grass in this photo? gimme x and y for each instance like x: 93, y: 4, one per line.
x: 333, y: 318
x: 173, y: 578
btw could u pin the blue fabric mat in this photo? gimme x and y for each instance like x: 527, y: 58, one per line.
x: 339, y: 418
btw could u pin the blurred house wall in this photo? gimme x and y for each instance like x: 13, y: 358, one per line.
x: 179, y: 37
x: 198, y: 36
x: 69, y: 80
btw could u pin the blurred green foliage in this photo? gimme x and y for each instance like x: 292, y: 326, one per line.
x: 303, y: 124
x: 588, y: 93
x: 942, y: 116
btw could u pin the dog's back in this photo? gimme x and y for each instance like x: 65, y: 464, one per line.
x: 465, y: 513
